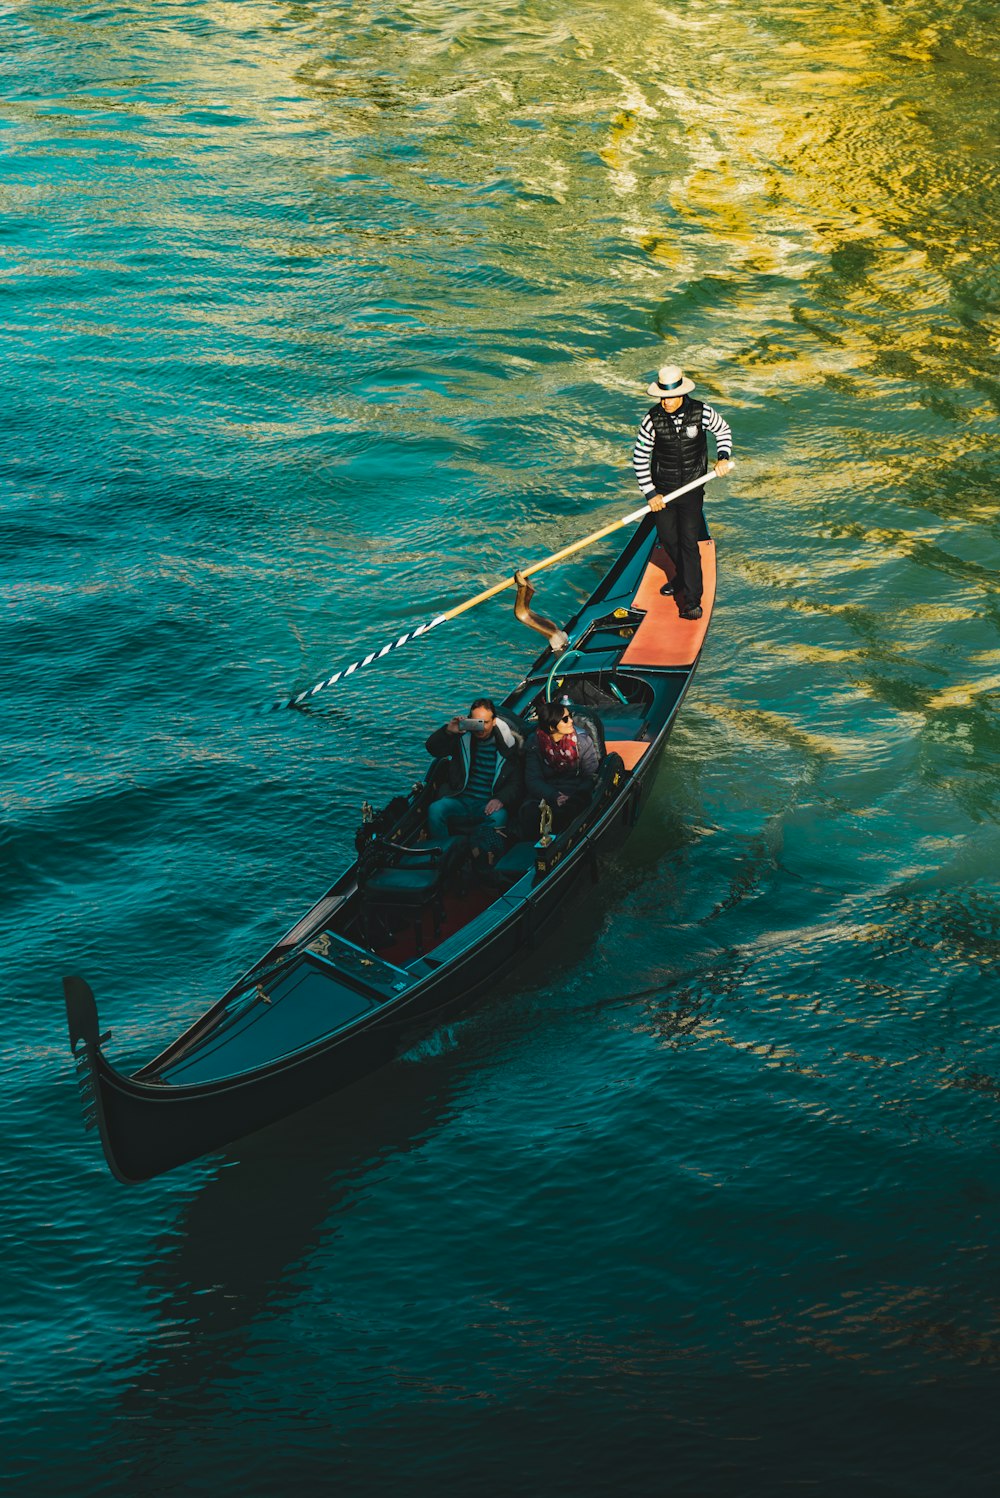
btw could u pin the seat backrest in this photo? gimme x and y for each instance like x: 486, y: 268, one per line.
x: 432, y: 859
x: 515, y: 721
x: 586, y: 718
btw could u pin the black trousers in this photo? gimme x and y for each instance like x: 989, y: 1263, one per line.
x: 678, y: 527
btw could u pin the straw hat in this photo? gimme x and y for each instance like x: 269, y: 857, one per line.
x: 669, y: 381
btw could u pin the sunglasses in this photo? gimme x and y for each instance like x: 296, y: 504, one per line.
x: 566, y: 718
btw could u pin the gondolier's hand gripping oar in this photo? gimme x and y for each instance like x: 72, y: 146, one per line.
x: 470, y: 603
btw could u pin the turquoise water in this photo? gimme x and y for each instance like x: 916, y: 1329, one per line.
x: 315, y: 319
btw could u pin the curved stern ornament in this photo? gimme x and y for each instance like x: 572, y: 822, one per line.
x: 558, y: 638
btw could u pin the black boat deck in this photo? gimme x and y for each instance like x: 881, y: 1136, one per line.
x: 310, y: 998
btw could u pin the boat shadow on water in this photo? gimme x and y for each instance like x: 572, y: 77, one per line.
x: 285, y: 1192
x: 246, y: 1248
x: 230, y: 1258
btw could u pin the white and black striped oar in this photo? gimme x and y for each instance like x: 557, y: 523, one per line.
x: 300, y: 698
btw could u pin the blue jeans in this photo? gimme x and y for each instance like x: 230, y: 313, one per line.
x: 446, y: 807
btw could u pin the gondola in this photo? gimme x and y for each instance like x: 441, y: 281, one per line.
x: 407, y: 934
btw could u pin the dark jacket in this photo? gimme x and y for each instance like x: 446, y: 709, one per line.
x: 543, y: 782
x: 508, y: 779
x: 680, y: 456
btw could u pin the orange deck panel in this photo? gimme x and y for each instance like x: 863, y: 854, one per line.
x: 664, y: 638
x: 630, y: 750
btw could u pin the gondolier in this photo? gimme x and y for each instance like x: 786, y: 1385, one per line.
x: 671, y: 448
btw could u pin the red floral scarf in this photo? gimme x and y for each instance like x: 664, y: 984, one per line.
x: 561, y: 757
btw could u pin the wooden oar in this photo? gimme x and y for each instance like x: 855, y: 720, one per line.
x: 470, y: 603
x: 567, y: 551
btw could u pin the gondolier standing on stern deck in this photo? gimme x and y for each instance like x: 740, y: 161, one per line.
x: 670, y: 450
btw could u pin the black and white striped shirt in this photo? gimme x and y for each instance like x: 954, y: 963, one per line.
x: 642, y: 453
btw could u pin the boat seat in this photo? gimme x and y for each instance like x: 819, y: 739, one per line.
x: 590, y: 722
x: 515, y: 863
x: 408, y: 880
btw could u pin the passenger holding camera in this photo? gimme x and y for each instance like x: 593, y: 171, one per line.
x: 485, y: 775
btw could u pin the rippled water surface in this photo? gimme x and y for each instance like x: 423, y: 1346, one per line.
x: 316, y: 318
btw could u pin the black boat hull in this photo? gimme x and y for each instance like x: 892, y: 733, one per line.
x: 149, y: 1125
x: 148, y: 1128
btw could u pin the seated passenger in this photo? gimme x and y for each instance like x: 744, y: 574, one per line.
x: 485, y: 776
x: 561, y: 765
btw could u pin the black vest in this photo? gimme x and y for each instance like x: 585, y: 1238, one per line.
x: 680, y: 456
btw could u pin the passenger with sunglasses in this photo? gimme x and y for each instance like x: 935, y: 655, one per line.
x: 561, y: 764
